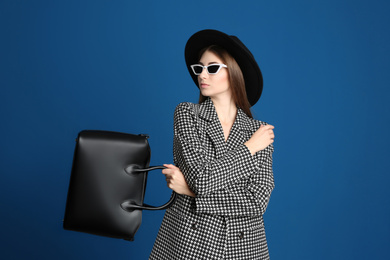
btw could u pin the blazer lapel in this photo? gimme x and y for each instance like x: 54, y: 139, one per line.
x: 239, y: 132
x: 214, y: 130
x: 213, y: 127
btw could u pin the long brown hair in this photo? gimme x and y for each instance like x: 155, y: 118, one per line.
x: 236, y: 79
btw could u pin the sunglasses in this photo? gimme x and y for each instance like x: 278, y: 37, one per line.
x: 211, y: 69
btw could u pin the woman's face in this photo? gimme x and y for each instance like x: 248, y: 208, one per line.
x: 215, y: 86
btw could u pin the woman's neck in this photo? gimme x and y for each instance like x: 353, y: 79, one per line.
x: 226, y: 110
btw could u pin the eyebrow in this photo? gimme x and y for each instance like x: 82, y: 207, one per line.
x: 213, y: 62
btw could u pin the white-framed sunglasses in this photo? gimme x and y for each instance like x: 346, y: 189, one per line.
x: 211, y: 69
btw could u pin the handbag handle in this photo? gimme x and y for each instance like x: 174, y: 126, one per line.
x: 130, y: 206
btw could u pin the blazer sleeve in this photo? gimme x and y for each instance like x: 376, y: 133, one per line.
x: 245, y: 198
x: 236, y: 184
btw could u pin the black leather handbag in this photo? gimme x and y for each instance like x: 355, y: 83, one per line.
x: 107, y: 184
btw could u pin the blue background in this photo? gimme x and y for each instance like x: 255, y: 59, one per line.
x: 119, y: 65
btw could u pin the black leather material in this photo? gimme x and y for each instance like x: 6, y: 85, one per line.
x: 107, y: 184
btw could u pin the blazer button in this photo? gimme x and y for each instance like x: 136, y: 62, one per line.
x: 194, y: 226
x: 241, y: 235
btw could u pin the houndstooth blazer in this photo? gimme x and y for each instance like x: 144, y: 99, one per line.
x: 232, y: 187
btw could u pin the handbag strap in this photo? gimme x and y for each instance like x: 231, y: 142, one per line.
x: 130, y: 206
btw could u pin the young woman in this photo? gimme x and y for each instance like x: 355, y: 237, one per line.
x: 223, y: 158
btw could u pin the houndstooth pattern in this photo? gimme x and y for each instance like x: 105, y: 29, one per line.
x: 232, y: 187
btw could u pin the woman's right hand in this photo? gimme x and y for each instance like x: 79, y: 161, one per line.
x: 263, y: 137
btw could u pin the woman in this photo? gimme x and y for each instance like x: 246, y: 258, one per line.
x: 223, y: 174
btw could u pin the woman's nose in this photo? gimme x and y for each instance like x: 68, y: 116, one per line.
x: 204, y: 73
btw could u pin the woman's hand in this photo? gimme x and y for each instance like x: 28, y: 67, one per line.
x: 263, y: 137
x: 175, y: 180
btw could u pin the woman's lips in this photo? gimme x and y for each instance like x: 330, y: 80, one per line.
x: 203, y: 85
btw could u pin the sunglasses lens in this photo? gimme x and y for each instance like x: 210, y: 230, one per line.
x: 212, y: 69
x: 197, y: 69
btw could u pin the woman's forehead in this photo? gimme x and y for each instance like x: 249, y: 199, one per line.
x: 208, y: 58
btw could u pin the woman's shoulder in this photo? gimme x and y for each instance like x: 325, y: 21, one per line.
x: 258, y: 122
x: 186, y: 107
x: 252, y: 122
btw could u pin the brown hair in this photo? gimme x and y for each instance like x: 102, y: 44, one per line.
x: 236, y: 79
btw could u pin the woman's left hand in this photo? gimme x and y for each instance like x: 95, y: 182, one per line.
x: 175, y: 180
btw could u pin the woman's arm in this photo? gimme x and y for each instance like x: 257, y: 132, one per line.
x: 247, y: 198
